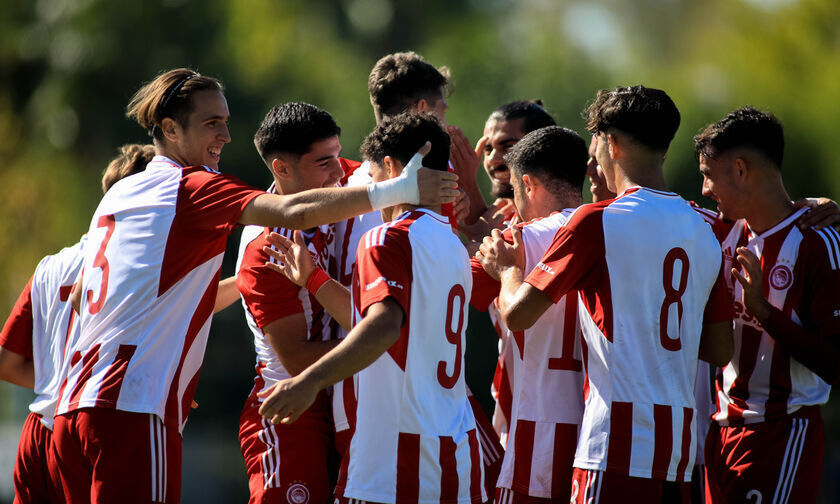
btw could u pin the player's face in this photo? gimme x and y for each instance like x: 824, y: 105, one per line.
x: 719, y: 184
x: 320, y: 166
x: 207, y: 130
x: 597, y: 181
x: 501, y: 136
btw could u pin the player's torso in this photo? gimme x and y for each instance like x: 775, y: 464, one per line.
x: 54, y: 324
x: 252, y: 258
x: 763, y: 381
x: 412, y: 401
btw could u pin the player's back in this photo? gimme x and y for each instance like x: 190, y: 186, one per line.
x: 151, y: 267
x: 415, y: 433
x: 643, y: 336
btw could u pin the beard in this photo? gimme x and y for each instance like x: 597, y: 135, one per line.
x: 501, y: 190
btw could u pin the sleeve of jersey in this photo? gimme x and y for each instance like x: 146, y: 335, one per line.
x: 485, y: 288
x: 268, y: 295
x: 572, y: 259
x: 383, y: 262
x: 719, y: 306
x: 17, y: 332
x: 816, y: 343
x: 214, y: 201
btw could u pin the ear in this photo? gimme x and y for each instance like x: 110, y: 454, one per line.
x: 281, y: 168
x: 170, y: 128
x: 532, y: 186
x: 422, y: 105
x: 392, y: 167
x: 740, y: 168
x: 613, y: 146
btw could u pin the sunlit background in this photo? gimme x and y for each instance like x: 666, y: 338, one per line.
x: 68, y: 68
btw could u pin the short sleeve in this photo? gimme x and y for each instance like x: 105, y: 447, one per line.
x: 17, y: 332
x: 268, y: 295
x: 383, y: 262
x: 485, y: 288
x: 213, y: 201
x: 572, y: 260
x: 719, y: 307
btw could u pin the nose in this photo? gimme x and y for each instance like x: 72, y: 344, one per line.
x: 592, y: 166
x: 706, y: 191
x: 496, y: 158
x: 224, y: 134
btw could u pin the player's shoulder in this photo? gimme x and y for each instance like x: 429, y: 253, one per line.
x: 62, y: 266
x: 822, y: 245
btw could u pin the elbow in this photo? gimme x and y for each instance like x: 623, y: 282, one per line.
x: 516, y: 320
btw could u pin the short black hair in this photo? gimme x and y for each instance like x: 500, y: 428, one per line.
x: 532, y: 113
x: 556, y: 155
x: 402, y: 136
x: 743, y: 127
x: 292, y: 128
x: 648, y: 115
x: 400, y: 80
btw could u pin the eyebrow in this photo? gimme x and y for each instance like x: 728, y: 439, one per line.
x: 325, y: 158
x: 211, y: 118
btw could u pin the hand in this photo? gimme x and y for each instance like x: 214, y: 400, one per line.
x: 491, y: 219
x: 193, y: 405
x: 824, y: 212
x: 461, y: 208
x: 294, y: 258
x: 752, y: 284
x: 435, y: 186
x: 465, y: 160
x: 497, y: 255
x: 285, y: 401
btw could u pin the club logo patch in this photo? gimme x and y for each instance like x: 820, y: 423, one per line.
x: 781, y: 277
x: 297, y: 494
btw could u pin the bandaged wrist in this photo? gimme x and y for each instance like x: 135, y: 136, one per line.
x: 402, y: 189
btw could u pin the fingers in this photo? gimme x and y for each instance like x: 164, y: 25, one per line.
x: 266, y: 392
x: 740, y: 278
x: 481, y: 145
x: 425, y: 149
x: 299, y: 239
x: 822, y: 215
x: 516, y: 234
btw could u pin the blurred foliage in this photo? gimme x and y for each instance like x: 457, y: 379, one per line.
x: 68, y: 67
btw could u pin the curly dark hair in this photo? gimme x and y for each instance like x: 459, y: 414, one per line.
x: 555, y: 154
x: 648, y: 115
x: 292, y: 128
x: 401, y: 136
x: 743, y: 127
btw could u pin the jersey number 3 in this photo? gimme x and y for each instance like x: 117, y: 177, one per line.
x: 453, y: 335
x: 672, y: 296
x: 101, y: 262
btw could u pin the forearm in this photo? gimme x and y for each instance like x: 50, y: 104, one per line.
x: 365, y: 343
x: 335, y: 298
x: 227, y: 294
x: 812, y: 350
x: 510, y: 302
x: 307, y: 209
x: 16, y: 369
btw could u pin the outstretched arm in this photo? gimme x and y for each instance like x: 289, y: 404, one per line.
x: 824, y: 212
x: 315, y: 207
x: 369, y: 339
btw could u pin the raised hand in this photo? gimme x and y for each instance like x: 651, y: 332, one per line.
x: 293, y: 257
x: 752, y: 283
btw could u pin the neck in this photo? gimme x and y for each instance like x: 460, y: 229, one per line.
x: 768, y: 206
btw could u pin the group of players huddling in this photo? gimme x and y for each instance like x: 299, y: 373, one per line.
x: 356, y: 279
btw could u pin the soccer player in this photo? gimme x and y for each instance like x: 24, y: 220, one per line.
x: 547, y: 168
x: 506, y: 125
x: 32, y: 345
x: 414, y: 437
x: 768, y: 441
x: 300, y: 145
x: 151, y: 268
x: 645, y: 265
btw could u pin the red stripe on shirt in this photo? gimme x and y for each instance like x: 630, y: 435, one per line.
x: 408, y: 468
x: 523, y: 451
x: 17, y: 331
x: 740, y: 389
x: 687, y: 445
x: 109, y: 389
x: 562, y: 463
x: 475, y: 467
x: 448, y: 470
x: 621, y: 437
x: 88, y: 361
x: 663, y: 440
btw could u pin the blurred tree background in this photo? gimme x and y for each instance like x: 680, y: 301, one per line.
x: 68, y: 68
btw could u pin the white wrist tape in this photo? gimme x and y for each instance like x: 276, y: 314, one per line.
x: 402, y: 189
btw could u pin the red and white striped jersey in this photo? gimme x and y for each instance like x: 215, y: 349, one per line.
x: 548, y: 382
x: 501, y: 387
x: 151, y: 272
x: 42, y: 322
x: 415, y: 436
x: 644, y: 264
x: 763, y: 381
x: 348, y: 234
x: 268, y: 296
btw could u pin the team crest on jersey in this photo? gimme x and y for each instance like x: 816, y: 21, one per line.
x: 781, y: 277
x: 297, y: 494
